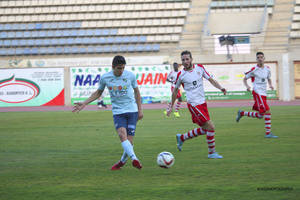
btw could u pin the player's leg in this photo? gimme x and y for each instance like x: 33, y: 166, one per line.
x: 121, y: 124
x: 132, y: 121
x: 267, y: 116
x: 256, y: 107
x: 197, y: 118
x: 210, y: 139
x: 178, y: 104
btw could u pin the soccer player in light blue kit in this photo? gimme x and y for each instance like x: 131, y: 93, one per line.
x: 126, y: 106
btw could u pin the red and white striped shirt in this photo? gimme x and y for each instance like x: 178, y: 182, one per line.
x: 259, y: 77
x: 192, y: 82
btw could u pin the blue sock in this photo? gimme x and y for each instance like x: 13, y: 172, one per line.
x: 128, y: 148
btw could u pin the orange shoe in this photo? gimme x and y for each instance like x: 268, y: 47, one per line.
x: 118, y: 165
x: 137, y: 164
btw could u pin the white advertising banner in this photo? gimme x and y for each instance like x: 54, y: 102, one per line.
x: 31, y: 87
x: 230, y: 76
x: 151, y: 80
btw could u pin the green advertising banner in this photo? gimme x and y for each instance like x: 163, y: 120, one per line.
x: 31, y: 87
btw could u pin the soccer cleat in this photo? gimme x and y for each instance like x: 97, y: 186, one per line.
x: 137, y: 164
x: 165, y: 112
x: 179, y: 142
x: 118, y: 165
x: 176, y: 114
x: 271, y: 136
x: 214, y: 155
x: 239, y: 116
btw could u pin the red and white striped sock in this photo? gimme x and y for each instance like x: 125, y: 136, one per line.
x: 268, y: 123
x: 251, y: 114
x: 210, y: 139
x: 193, y: 133
x: 177, y: 106
x: 169, y: 107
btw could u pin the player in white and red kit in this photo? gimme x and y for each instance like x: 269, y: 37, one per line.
x: 191, y: 78
x: 172, y: 78
x: 259, y: 75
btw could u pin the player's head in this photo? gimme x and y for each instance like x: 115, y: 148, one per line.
x: 118, y: 65
x: 260, y: 58
x: 186, y: 58
x: 175, y: 66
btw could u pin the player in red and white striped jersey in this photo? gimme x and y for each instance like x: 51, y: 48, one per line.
x: 260, y: 75
x: 191, y: 78
x: 172, y: 78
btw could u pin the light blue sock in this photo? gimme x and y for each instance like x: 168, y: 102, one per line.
x: 124, y: 157
x: 128, y: 148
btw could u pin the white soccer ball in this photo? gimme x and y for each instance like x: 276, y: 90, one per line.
x: 165, y: 159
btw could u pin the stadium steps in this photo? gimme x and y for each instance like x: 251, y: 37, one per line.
x: 191, y: 36
x: 278, y: 29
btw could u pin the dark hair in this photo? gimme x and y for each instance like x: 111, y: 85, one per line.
x: 186, y: 52
x: 260, y: 53
x: 118, y: 60
x: 175, y: 63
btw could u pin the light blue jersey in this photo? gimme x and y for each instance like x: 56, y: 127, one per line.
x: 120, y: 90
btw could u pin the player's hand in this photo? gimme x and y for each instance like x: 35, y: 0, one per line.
x: 140, y: 115
x: 224, y: 91
x: 78, y: 107
x: 169, y: 112
x: 271, y: 87
x: 249, y: 89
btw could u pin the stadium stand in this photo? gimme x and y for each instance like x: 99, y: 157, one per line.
x: 136, y: 25
x: 295, y: 29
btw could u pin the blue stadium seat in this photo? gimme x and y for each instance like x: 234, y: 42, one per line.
x: 3, y: 34
x: 81, y: 32
x: 98, y: 49
x: 148, y: 47
x: 38, y: 26
x: 155, y: 47
x: 90, y: 49
x: 77, y: 24
x: 26, y: 51
x: 82, y: 50
x: 7, y: 27
x: 105, y: 32
x: 6, y: 42
x: 10, y: 51
x: 130, y: 48
x: 67, y: 50
x: 34, y: 51
x: 44, y: 34
x: 106, y: 48
x: 19, y: 51
x: 30, y: 42
x: 74, y: 50
x: 90, y: 32
x: 59, y: 50
x: 70, y: 40
x: 43, y: 50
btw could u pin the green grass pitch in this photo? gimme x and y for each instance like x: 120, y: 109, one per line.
x: 67, y: 156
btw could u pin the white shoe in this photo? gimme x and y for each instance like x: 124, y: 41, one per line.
x: 214, y: 155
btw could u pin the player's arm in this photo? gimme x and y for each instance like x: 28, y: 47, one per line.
x: 137, y: 96
x: 168, y: 78
x: 217, y: 85
x: 174, y: 96
x: 80, y: 105
x: 270, y: 84
x: 246, y: 84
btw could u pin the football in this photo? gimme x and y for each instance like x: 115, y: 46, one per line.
x: 165, y: 159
